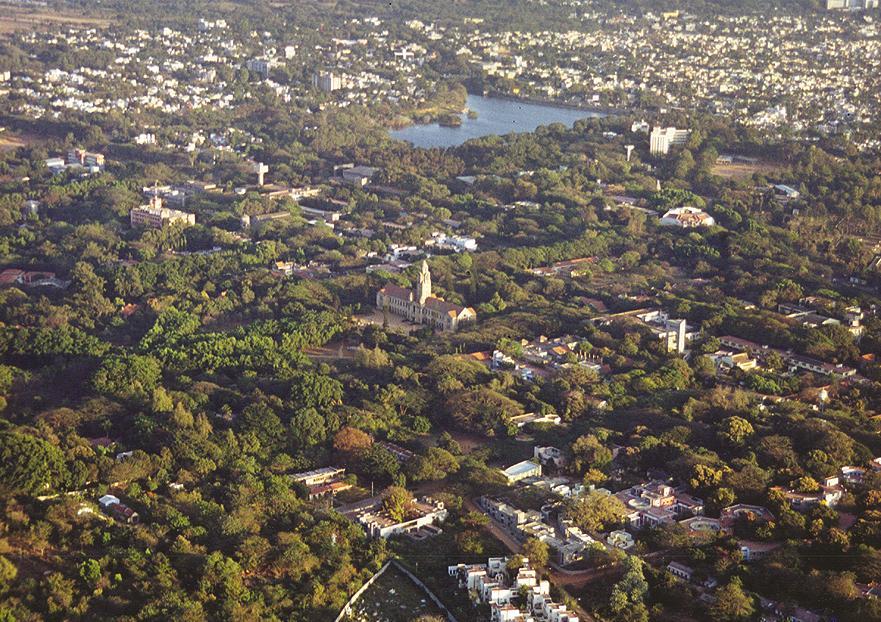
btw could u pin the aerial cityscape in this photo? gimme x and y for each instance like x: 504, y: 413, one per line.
x: 412, y: 311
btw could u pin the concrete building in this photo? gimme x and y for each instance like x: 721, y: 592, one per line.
x: 686, y: 218
x: 316, y: 477
x: 674, y: 333
x: 327, y: 81
x: 423, y: 513
x: 260, y: 66
x: 661, y: 139
x: 85, y: 158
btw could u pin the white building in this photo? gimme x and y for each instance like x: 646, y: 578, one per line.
x: 423, y: 513
x: 686, y: 218
x: 661, y: 139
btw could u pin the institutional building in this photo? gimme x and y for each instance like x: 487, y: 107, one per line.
x: 662, y: 138
x: 421, y: 307
x: 156, y: 216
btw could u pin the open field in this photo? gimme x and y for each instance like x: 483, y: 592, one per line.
x: 10, y: 141
x: 13, y: 19
x: 744, y: 171
x: 393, y: 598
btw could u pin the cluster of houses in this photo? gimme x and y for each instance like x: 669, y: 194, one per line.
x: 571, y: 268
x: 806, y: 314
x: 795, y: 362
x: 542, y: 354
x: 493, y: 583
x: 31, y: 278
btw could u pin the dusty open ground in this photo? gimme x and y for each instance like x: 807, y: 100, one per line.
x: 744, y: 171
x: 10, y: 140
x: 17, y: 18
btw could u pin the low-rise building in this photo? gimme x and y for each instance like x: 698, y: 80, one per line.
x: 521, y: 470
x: 686, y: 218
x: 680, y: 571
x: 656, y: 503
x: 830, y: 493
x: 422, y: 513
x: 620, y: 539
x: 527, y: 418
x: 316, y: 477
x: 549, y: 455
x: 111, y: 505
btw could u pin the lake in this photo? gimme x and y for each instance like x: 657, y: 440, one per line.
x: 494, y: 116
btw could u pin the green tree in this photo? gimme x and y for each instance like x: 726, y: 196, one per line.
x: 627, y: 601
x: 396, y: 502
x: 537, y: 552
x: 735, y: 431
x: 596, y: 512
x: 29, y: 465
x: 90, y: 572
x: 129, y: 376
x: 308, y: 428
x: 732, y: 603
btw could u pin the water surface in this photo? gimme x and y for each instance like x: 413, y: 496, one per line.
x: 494, y: 116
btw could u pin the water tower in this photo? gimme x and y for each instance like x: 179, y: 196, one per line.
x: 261, y: 170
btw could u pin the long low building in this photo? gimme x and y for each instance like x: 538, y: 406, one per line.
x: 423, y: 513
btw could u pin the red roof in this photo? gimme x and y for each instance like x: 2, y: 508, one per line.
x: 395, y: 291
x: 10, y: 276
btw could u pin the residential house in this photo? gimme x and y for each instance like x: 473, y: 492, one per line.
x: 656, y: 503
x: 324, y: 475
x: 681, y: 571
x: 549, y: 455
x: 620, y: 539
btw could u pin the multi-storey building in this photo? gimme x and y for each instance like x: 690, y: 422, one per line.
x: 662, y: 138
x: 420, y: 307
x: 156, y: 216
